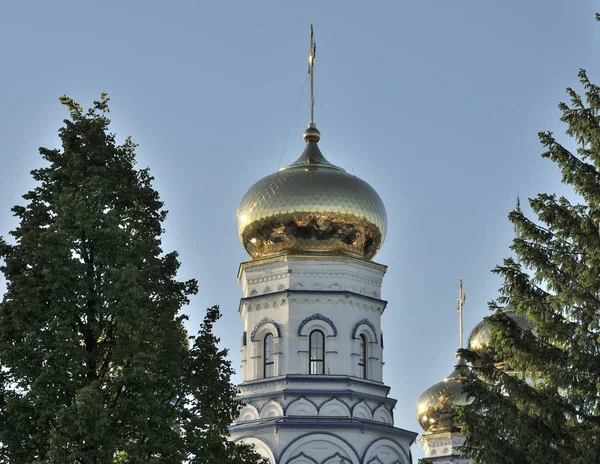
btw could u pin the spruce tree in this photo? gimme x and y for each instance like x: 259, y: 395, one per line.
x: 541, y: 404
x: 96, y: 366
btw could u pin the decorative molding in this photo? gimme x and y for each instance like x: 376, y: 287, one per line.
x: 377, y: 460
x: 331, y: 299
x: 336, y: 398
x: 407, y: 455
x: 247, y: 409
x: 266, y: 278
x: 317, y: 317
x: 301, y: 454
x: 366, y: 322
x: 268, y: 400
x: 262, y: 440
x: 268, y: 304
x: 361, y: 386
x: 335, y: 410
x: 350, y: 399
x: 300, y: 398
x: 262, y: 322
x: 361, y: 405
x: 271, y: 405
x: 353, y: 276
x: 336, y: 455
x: 330, y: 434
x: 387, y: 415
x: 287, y: 258
x: 335, y: 297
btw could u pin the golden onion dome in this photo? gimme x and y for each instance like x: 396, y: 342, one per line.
x: 480, y: 338
x: 436, y: 408
x: 311, y: 207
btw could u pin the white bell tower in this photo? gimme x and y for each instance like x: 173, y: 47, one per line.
x: 312, y: 346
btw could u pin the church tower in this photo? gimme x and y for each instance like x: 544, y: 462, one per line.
x: 312, y: 346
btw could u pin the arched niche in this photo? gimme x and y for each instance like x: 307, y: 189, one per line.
x: 324, y: 446
x: 302, y: 458
x: 362, y: 411
x: 386, y: 451
x: 301, y: 407
x: 381, y: 414
x: 248, y: 413
x: 334, y: 408
x: 271, y: 409
x: 260, y: 446
x: 336, y: 458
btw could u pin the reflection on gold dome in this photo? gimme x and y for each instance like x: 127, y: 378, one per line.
x: 436, y: 410
x: 311, y: 206
x: 480, y: 339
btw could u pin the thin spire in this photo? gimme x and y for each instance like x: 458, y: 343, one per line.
x: 460, y: 302
x: 311, y: 73
x: 312, y: 134
x: 515, y: 228
x: 518, y: 209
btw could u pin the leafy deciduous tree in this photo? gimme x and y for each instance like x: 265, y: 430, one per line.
x: 96, y: 363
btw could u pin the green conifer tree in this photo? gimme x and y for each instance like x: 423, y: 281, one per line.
x: 95, y: 362
x: 542, y: 403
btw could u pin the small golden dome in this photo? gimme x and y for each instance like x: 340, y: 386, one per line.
x: 481, y: 336
x: 436, y: 410
x: 311, y: 207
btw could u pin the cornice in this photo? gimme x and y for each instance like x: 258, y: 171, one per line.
x: 324, y: 423
x: 294, y: 393
x: 290, y: 294
x: 273, y: 384
x: 288, y: 257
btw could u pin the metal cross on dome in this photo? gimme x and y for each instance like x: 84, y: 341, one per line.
x: 311, y: 68
x: 460, y: 302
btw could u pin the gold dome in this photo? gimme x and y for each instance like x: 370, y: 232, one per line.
x: 480, y: 339
x: 311, y: 207
x: 436, y: 410
x: 481, y: 336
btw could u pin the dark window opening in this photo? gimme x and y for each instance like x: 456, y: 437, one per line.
x: 269, y: 364
x: 317, y: 352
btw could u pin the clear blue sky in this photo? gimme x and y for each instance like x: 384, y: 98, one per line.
x: 436, y: 104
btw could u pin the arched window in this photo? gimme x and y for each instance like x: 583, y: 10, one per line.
x: 316, y: 348
x: 362, y: 361
x: 269, y: 365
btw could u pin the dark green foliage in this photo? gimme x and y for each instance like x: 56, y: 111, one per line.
x: 542, y: 405
x: 96, y: 364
